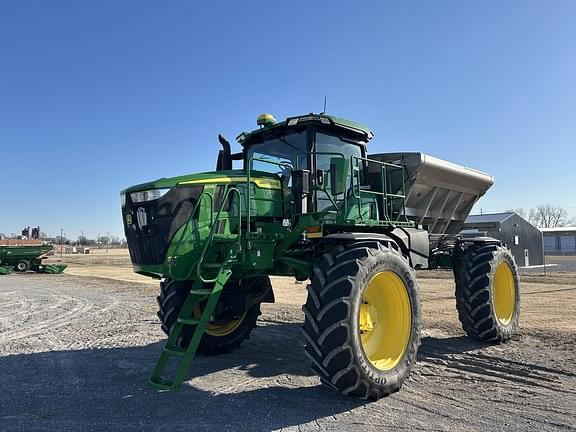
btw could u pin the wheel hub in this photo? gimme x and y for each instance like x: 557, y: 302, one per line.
x: 221, y: 327
x: 385, y: 320
x: 368, y: 317
x: 504, y: 293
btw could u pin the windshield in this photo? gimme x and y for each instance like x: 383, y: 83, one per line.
x: 279, y: 154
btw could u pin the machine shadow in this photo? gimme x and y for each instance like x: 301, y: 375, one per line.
x: 439, y: 348
x: 264, y: 385
x: 252, y: 388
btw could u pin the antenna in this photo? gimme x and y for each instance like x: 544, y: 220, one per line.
x: 324, y: 110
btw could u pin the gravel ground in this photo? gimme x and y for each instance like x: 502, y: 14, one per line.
x: 76, y: 353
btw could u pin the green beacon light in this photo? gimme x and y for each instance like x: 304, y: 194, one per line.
x: 265, y: 120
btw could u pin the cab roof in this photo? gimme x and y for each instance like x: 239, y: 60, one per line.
x: 362, y: 132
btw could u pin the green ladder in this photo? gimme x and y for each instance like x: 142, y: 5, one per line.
x: 186, y: 318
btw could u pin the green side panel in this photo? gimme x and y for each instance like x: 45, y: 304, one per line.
x: 359, y: 211
x: 263, y: 202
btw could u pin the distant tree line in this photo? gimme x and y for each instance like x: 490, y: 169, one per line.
x: 99, y: 241
x: 546, y: 216
x: 80, y: 241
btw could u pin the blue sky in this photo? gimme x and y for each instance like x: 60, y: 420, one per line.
x: 96, y: 96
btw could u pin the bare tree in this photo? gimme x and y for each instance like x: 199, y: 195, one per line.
x: 545, y: 216
x: 519, y: 211
x: 550, y: 215
x: 530, y: 215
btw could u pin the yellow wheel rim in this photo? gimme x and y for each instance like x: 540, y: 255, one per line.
x: 504, y: 293
x: 385, y: 320
x: 220, y: 330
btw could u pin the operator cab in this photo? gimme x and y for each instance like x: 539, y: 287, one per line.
x: 313, y: 155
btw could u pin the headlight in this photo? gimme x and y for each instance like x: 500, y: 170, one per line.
x: 123, y: 200
x: 148, y: 195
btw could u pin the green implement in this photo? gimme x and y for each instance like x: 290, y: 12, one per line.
x: 28, y: 257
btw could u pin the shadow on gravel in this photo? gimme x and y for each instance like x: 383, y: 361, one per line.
x: 467, y: 356
x: 431, y: 348
x: 106, y: 389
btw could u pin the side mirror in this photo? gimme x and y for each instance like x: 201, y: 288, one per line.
x: 301, y: 182
x: 338, y: 175
x: 300, y: 190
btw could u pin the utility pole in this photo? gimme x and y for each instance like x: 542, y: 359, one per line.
x: 61, y: 242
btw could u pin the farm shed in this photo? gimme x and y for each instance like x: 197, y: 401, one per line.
x: 523, y: 238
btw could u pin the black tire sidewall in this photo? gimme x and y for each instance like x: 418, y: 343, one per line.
x: 506, y: 331
x: 209, y: 344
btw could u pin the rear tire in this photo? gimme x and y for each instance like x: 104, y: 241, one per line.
x: 487, y: 292
x: 220, y: 337
x: 22, y: 266
x: 362, y: 320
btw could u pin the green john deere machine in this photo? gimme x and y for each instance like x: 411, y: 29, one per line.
x: 22, y: 258
x: 309, y: 202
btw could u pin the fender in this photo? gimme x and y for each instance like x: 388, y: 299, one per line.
x: 412, y: 242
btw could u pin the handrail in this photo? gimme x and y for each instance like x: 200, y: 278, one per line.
x: 385, y: 194
x: 196, y: 206
x: 211, y: 235
x: 386, y: 197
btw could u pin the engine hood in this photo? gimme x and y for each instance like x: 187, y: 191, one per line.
x: 261, y: 179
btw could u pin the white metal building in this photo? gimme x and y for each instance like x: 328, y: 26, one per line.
x: 559, y: 240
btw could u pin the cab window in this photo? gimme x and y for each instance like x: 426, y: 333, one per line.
x: 327, y: 148
x: 278, y: 154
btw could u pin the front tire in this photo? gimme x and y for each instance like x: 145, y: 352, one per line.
x: 362, y: 320
x: 487, y: 292
x: 222, y: 335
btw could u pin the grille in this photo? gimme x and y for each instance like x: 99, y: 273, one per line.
x: 154, y: 223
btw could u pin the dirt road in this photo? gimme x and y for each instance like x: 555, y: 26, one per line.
x: 76, y: 353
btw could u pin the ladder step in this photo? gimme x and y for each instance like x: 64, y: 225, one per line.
x: 203, y: 292
x: 173, y: 351
x: 187, y: 321
x: 162, y: 384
